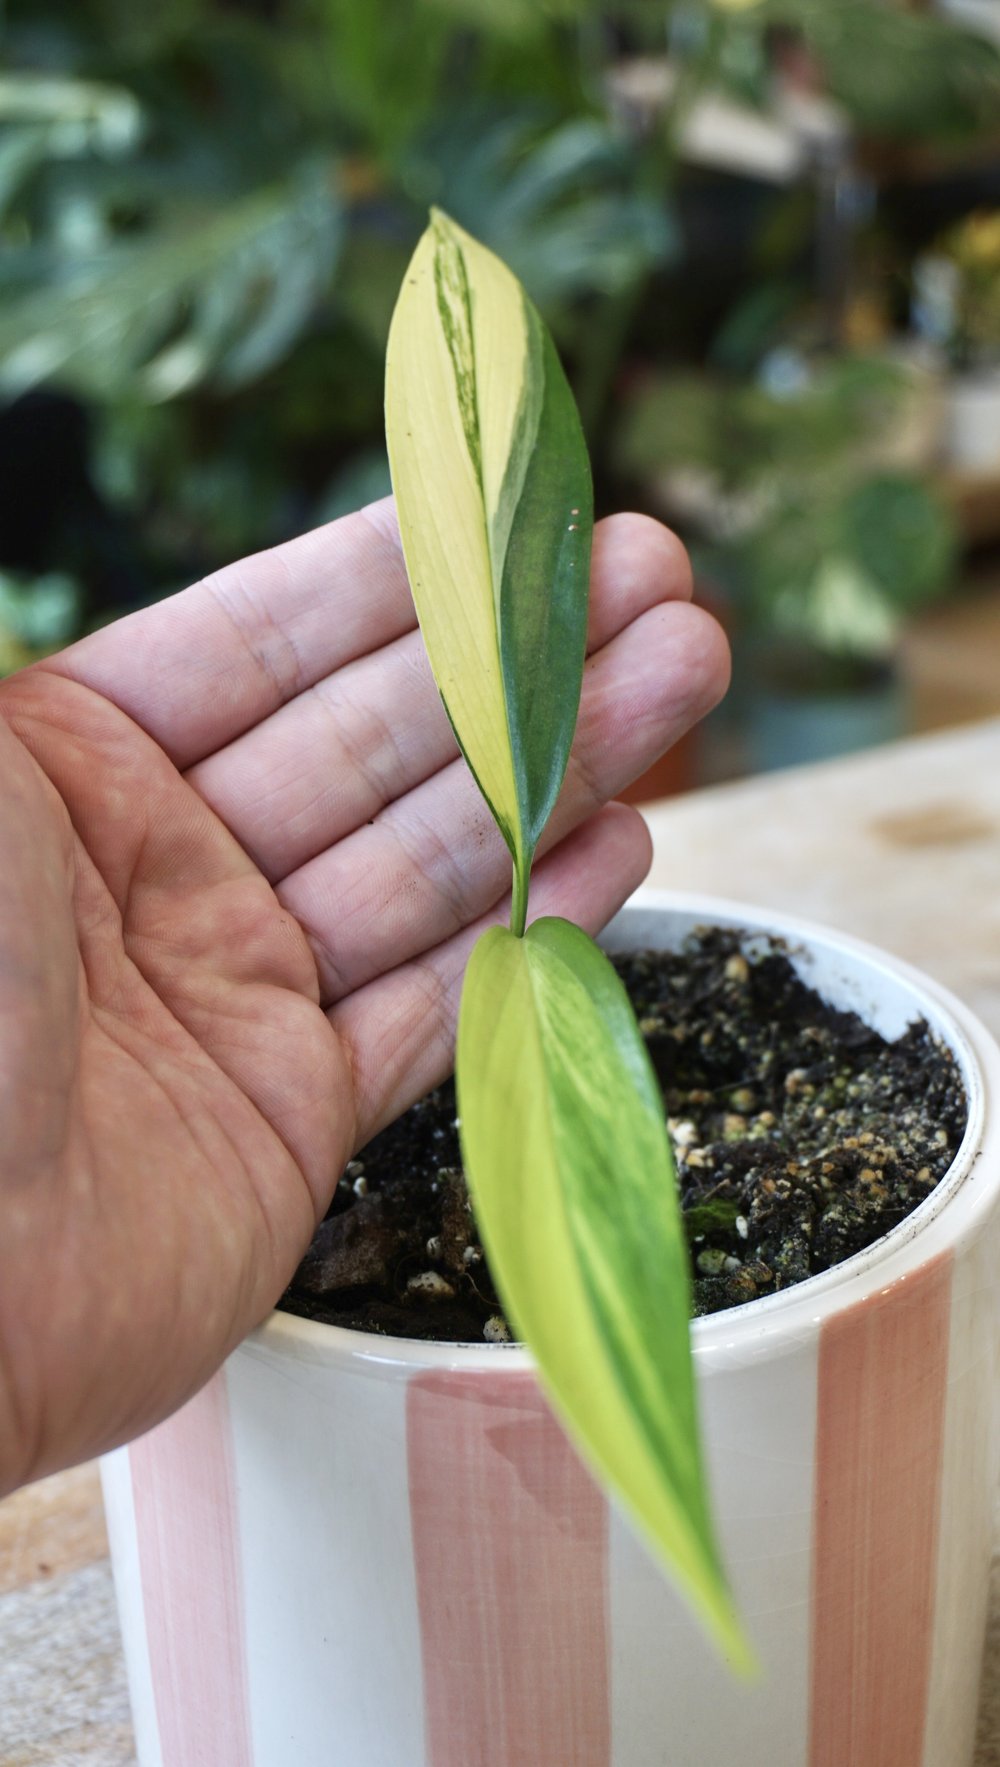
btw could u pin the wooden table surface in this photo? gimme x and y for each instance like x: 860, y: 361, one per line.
x: 900, y: 846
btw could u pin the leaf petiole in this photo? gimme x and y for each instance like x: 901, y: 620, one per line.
x: 519, y: 903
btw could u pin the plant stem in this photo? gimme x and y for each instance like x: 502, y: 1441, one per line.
x: 519, y: 905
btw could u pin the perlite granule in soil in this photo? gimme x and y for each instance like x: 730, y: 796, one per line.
x: 800, y: 1136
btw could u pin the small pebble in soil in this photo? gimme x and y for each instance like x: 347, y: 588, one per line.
x: 800, y: 1137
x: 710, y: 1261
x: 429, y: 1285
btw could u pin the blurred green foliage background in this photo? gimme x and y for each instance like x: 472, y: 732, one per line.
x: 206, y: 208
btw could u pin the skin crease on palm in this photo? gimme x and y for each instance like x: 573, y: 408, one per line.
x: 242, y: 869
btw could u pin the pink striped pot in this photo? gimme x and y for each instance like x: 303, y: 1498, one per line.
x: 359, y: 1552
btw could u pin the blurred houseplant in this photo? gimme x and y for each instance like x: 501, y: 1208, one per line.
x: 206, y: 215
x: 957, y: 307
x: 37, y: 615
x: 205, y: 211
x: 793, y: 489
x: 973, y: 249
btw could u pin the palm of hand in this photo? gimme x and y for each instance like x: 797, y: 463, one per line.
x: 242, y: 872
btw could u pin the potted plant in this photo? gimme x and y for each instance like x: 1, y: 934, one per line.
x: 827, y: 589
x: 362, y: 1549
x: 805, y: 514
x: 957, y: 307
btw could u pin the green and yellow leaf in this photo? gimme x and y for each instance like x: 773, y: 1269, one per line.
x: 493, y: 493
x: 563, y: 1129
x: 566, y: 1150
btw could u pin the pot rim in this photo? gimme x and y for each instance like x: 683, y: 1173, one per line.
x: 952, y: 1211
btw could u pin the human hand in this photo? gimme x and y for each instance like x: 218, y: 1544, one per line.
x: 242, y: 868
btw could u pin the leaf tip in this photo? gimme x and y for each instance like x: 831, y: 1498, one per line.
x: 440, y: 220
x: 731, y: 1638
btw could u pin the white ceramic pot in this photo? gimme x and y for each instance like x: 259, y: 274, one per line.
x: 361, y: 1552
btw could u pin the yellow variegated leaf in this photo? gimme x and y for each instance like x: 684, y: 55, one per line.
x: 494, y: 500
x: 566, y: 1150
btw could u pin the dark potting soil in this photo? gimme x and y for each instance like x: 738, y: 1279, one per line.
x: 800, y: 1135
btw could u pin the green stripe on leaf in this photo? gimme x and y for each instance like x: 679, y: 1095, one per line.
x: 455, y: 311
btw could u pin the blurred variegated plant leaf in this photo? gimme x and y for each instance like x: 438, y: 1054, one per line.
x: 40, y: 612
x: 45, y: 119
x: 37, y: 615
x: 220, y: 300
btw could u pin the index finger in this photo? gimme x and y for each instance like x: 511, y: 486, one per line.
x: 200, y: 668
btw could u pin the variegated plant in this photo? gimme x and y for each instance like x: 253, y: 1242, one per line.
x: 563, y: 1131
